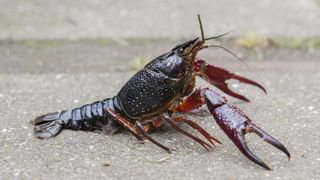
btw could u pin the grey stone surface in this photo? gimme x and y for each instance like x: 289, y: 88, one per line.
x: 73, y: 19
x: 290, y: 112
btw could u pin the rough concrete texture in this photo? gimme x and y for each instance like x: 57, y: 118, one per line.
x: 35, y: 80
x: 74, y: 19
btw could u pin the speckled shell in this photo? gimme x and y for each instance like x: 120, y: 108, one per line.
x: 151, y: 90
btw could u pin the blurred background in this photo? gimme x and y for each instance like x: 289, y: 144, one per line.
x: 56, y: 55
x: 96, y: 33
x: 72, y: 19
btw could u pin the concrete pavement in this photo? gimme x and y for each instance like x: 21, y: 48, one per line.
x: 290, y: 112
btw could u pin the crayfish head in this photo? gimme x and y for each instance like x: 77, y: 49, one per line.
x: 188, y: 49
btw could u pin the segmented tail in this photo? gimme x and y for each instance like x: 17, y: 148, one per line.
x: 88, y: 117
x: 48, y: 125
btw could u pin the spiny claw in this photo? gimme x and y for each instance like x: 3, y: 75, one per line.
x: 240, y: 142
x: 224, y: 87
x: 247, y: 81
x: 269, y: 139
x: 236, y: 124
x: 218, y: 76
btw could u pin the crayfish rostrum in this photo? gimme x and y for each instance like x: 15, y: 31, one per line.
x: 161, y: 92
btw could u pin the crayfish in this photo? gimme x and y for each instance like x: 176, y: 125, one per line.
x: 162, y: 92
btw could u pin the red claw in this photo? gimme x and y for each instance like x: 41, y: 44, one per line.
x: 236, y: 124
x: 218, y: 76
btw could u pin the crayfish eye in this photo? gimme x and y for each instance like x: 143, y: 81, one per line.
x: 180, y: 51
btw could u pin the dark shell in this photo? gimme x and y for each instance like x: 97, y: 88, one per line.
x: 152, y: 89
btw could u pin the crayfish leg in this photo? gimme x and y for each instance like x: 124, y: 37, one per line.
x: 175, y: 126
x: 193, y: 101
x: 137, y: 129
x: 125, y: 123
x: 197, y: 127
x: 147, y: 136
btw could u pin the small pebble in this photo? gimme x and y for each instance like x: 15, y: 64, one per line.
x: 59, y: 76
x: 310, y: 108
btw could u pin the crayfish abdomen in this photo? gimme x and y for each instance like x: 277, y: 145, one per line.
x: 88, y: 117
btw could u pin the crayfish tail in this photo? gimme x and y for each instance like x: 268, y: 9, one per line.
x: 48, y: 125
x: 89, y: 117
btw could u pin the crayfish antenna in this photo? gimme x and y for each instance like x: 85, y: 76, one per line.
x: 203, y: 39
x: 233, y: 54
x: 201, y: 29
x: 223, y: 34
x: 214, y: 37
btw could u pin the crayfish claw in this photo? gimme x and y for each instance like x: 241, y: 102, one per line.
x: 248, y: 81
x: 240, y: 142
x: 234, y: 122
x: 242, y: 145
x: 269, y: 139
x: 224, y: 87
x: 218, y: 77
